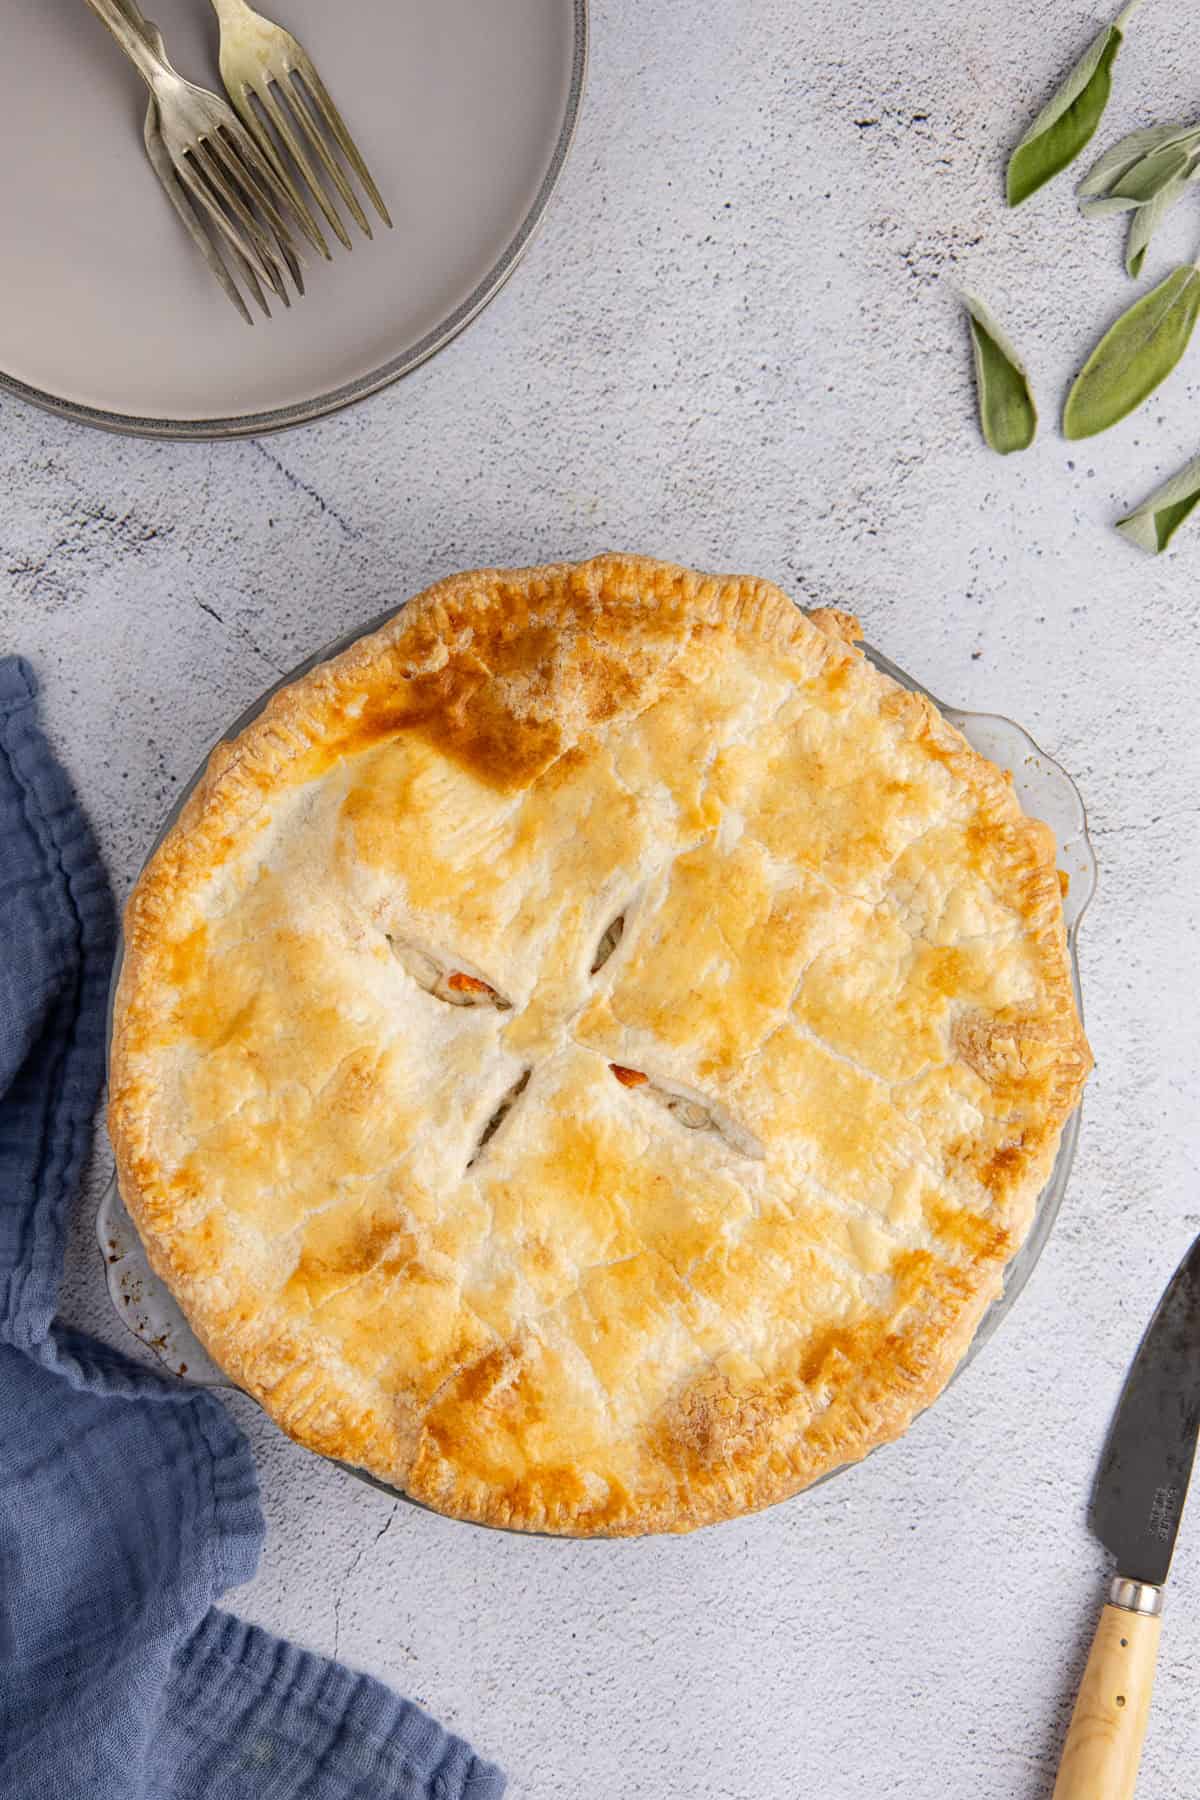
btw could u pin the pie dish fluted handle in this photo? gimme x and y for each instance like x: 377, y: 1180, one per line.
x: 1104, y: 1741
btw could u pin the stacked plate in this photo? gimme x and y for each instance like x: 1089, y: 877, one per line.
x: 465, y: 114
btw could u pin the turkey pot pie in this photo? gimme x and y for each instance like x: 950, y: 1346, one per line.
x: 587, y: 1053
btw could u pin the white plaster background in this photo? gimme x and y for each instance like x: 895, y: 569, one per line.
x: 735, y: 343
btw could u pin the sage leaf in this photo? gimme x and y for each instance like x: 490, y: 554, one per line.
x: 1007, y: 414
x: 1108, y: 169
x: 1105, y: 205
x: 1146, y: 174
x: 1153, y: 524
x: 1069, y: 119
x: 1147, y: 219
x: 1144, y: 183
x: 1150, y: 173
x: 1134, y: 355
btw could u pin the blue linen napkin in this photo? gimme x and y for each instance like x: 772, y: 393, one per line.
x: 128, y: 1502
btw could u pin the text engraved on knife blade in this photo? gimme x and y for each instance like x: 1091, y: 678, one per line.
x: 1164, y: 1512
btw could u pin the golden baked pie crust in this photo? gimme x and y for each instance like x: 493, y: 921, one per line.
x: 546, y: 833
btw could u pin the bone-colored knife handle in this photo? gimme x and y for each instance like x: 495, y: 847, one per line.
x: 1104, y: 1743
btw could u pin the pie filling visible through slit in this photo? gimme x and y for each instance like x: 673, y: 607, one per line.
x: 587, y: 1053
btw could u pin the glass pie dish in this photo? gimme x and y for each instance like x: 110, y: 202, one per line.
x: 1043, y: 788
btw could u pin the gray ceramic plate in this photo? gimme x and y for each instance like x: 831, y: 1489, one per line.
x: 150, y: 1312
x: 464, y: 111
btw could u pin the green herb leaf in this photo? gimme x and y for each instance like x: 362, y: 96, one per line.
x: 1147, y: 219
x: 1105, y: 205
x: 1150, y: 173
x: 1134, y: 355
x: 1007, y: 414
x: 1108, y: 169
x: 1069, y: 120
x: 1153, y: 524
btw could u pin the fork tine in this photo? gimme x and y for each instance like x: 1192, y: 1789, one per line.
x: 233, y: 194
x: 277, y: 113
x: 228, y: 231
x: 223, y: 152
x: 209, y: 166
x: 192, y: 219
x: 305, y: 109
x: 250, y: 278
x: 250, y: 243
x: 243, y: 100
x: 254, y: 175
x: 227, y: 201
x: 208, y: 250
x: 177, y: 195
x: 337, y: 125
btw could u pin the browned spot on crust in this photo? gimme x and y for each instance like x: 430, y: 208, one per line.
x: 461, y: 712
x: 981, y: 1041
x: 476, y: 1384
x: 708, y: 1426
x: 513, y: 696
x: 995, y: 1167
x: 972, y: 1232
x: 202, y: 1016
x: 630, y: 1078
x: 836, y: 677
x: 835, y: 1357
x: 482, y: 1428
x: 373, y: 1245
x: 1004, y: 1167
x: 948, y: 970
x: 828, y: 1354
x: 187, y: 957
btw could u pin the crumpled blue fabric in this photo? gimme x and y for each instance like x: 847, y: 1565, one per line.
x: 128, y: 1502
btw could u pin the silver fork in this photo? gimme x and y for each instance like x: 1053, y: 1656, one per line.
x: 193, y: 222
x: 263, y: 67
x: 210, y: 154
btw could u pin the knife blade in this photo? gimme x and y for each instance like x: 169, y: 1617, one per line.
x: 1136, y: 1507
x: 1142, y: 1481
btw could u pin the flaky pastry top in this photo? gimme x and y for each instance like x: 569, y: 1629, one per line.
x: 587, y: 1053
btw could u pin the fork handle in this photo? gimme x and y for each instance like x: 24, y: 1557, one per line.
x: 141, y: 24
x: 127, y: 25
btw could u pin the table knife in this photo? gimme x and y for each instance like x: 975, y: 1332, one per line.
x: 1137, y: 1503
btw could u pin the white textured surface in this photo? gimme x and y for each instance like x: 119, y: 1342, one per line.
x: 735, y: 343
